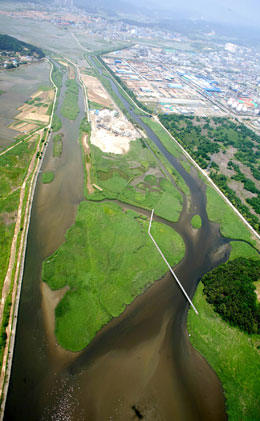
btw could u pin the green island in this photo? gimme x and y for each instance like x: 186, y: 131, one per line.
x: 57, y: 145
x: 106, y: 261
x: 56, y: 123
x: 196, y: 222
x: 47, y: 177
x: 70, y: 108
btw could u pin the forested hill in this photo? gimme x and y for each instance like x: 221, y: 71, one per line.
x: 8, y: 43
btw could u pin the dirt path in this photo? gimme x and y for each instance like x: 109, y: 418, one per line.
x: 88, y: 162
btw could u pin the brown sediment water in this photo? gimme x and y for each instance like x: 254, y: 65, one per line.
x: 141, y: 365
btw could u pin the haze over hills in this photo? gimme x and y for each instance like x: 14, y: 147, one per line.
x: 232, y: 18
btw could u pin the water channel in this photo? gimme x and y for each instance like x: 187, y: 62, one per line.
x: 141, y: 365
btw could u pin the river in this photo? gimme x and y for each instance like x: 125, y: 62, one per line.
x: 141, y: 365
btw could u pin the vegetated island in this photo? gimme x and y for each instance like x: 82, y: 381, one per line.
x: 196, y: 222
x: 47, y: 177
x: 106, y: 261
x: 14, y: 52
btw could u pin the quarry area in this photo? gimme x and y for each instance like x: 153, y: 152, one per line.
x: 111, y: 131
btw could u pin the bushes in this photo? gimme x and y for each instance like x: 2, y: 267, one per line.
x: 230, y: 289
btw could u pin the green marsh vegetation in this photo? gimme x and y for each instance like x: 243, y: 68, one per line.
x: 106, y: 261
x: 56, y: 123
x: 57, y: 145
x: 57, y: 76
x: 70, y: 108
x: 47, y: 177
x: 239, y: 248
x: 220, y: 212
x: 135, y: 178
x: 196, y: 222
x: 166, y: 140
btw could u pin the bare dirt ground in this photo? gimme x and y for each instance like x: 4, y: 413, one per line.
x: 222, y: 160
x: 30, y: 114
x: 88, y: 163
x: 111, y: 131
x: 96, y: 92
x: 71, y: 72
x: 24, y: 127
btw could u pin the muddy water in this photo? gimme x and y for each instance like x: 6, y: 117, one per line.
x: 140, y: 365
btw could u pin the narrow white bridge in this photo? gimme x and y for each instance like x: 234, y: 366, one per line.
x: 164, y: 258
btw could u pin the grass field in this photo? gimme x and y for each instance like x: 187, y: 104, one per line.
x: 47, y: 177
x: 106, y: 260
x: 234, y: 356
x: 135, y: 178
x: 70, y: 108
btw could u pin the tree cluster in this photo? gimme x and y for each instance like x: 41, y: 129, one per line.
x: 230, y: 289
x: 8, y: 43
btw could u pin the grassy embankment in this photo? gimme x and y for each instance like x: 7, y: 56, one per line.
x: 106, y: 260
x: 47, y: 177
x: 57, y: 145
x: 70, y: 108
